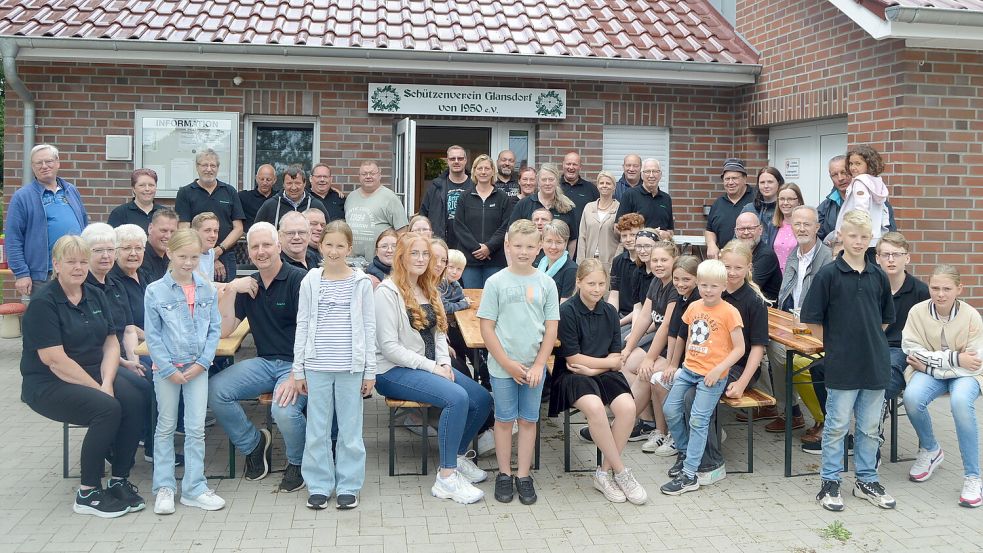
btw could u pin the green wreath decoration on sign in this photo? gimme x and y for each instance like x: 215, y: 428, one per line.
x: 549, y: 104
x: 385, y: 98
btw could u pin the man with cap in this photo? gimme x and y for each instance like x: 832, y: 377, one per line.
x: 724, y: 211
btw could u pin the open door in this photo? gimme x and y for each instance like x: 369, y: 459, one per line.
x: 404, y: 164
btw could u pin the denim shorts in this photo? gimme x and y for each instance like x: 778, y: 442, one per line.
x: 514, y: 401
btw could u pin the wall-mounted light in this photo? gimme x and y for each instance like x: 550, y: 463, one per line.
x: 237, y: 80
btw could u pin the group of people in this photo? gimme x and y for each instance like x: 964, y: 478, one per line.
x: 348, y: 295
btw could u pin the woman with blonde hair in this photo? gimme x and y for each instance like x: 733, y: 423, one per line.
x: 550, y: 195
x: 598, y: 237
x: 480, y: 223
x: 413, y: 363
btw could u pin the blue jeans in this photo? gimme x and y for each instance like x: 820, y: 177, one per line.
x: 247, y: 380
x: 899, y: 362
x: 865, y: 405
x: 464, y: 405
x: 475, y: 277
x: 195, y: 395
x: 513, y: 400
x: 330, y: 392
x: 692, y: 439
x: 963, y: 391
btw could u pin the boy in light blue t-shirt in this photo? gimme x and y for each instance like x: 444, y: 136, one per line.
x: 518, y: 316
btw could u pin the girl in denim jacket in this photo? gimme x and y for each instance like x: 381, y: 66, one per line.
x: 182, y: 325
x: 334, y: 364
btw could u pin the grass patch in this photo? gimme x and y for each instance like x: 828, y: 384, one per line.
x: 836, y: 531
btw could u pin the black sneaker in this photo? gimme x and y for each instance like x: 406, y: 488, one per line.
x: 874, y: 492
x: 813, y: 448
x: 504, y: 488
x: 680, y: 484
x: 829, y: 496
x: 347, y: 501
x: 100, y: 503
x: 527, y: 492
x: 317, y: 502
x: 293, y: 480
x: 126, y: 492
x: 641, y: 431
x: 677, y: 467
x: 585, y: 435
x: 258, y: 461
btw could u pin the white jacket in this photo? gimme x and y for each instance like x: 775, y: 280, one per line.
x: 398, y: 343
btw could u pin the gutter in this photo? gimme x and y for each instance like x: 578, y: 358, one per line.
x: 934, y: 16
x: 382, y: 59
x: 9, y: 50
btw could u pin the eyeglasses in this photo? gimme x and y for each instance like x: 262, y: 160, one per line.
x: 293, y: 233
x: 45, y: 162
x: 891, y: 256
x: 103, y: 251
x: 747, y: 229
x: 129, y: 249
x: 369, y: 173
x: 651, y: 171
x: 387, y: 247
x: 640, y: 247
x: 420, y: 254
x: 801, y: 225
x: 208, y: 165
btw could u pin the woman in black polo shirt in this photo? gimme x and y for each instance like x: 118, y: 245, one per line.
x: 69, y: 365
x: 586, y: 375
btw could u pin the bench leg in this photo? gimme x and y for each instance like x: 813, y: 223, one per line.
x: 535, y: 464
x: 64, y: 451
x: 392, y: 442
x: 566, y: 441
x: 750, y: 439
x: 893, y: 407
x: 424, y: 434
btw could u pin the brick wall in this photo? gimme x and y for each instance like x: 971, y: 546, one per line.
x: 919, y: 108
x: 78, y: 104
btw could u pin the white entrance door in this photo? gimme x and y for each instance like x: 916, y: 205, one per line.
x: 404, y: 163
x: 802, y: 152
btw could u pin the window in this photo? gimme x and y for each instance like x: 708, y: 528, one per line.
x: 280, y: 142
x: 728, y: 9
x: 647, y: 142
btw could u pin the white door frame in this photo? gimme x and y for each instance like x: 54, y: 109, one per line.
x: 248, y: 145
x: 499, y: 133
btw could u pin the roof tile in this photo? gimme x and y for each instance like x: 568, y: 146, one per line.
x: 635, y: 29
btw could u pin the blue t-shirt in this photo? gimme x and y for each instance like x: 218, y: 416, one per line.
x: 61, y: 217
x: 520, y: 307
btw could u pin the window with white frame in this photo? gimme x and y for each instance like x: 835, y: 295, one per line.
x: 621, y: 140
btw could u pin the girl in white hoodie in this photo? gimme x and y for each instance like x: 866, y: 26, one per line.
x: 334, y: 364
x: 866, y: 192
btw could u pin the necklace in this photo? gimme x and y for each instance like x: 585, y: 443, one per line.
x: 604, y: 207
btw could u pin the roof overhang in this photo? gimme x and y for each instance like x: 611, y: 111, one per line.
x: 309, y: 58
x: 919, y: 27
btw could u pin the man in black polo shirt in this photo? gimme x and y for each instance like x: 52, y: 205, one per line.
x: 649, y: 200
x: 580, y: 190
x: 268, y: 300
x: 207, y: 193
x: 506, y: 177
x: 724, y: 211
x: 293, y: 197
x: 322, y: 187
x: 315, y: 218
x: 254, y: 199
x: 766, y: 272
x: 162, y: 226
x: 295, y: 236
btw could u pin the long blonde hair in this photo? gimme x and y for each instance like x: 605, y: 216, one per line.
x: 427, y: 283
x: 739, y: 247
x: 561, y: 203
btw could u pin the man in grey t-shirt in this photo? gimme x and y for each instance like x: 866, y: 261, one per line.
x: 371, y: 209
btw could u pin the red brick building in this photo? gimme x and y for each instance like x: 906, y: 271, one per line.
x: 786, y: 82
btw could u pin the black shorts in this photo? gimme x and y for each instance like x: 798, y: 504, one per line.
x: 571, y: 387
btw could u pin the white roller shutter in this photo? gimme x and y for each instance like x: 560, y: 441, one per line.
x: 620, y: 140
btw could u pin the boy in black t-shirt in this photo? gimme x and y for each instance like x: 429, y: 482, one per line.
x: 848, y: 306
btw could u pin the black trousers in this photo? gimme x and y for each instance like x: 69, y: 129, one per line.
x: 114, y: 422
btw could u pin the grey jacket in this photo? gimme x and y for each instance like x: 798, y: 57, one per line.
x: 398, y: 343
x: 363, y: 324
x: 823, y: 256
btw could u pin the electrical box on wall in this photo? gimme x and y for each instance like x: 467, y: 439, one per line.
x: 119, y: 147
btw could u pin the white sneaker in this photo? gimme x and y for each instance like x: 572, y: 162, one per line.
x: 604, y: 483
x: 712, y: 476
x: 656, y: 438
x: 486, y: 443
x: 972, y: 495
x: 164, y: 504
x: 456, y: 487
x: 207, y: 501
x: 925, y: 464
x: 630, y: 486
x: 667, y: 449
x: 469, y: 470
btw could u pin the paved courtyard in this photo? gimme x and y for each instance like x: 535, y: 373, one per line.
x: 759, y: 512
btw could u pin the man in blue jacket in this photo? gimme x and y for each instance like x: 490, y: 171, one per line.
x: 39, y: 214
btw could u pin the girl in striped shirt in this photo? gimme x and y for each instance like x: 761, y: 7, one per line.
x: 334, y: 364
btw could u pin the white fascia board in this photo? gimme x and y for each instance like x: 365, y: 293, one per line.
x: 366, y: 60
x: 948, y: 29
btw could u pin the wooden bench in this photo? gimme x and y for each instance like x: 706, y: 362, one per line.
x: 752, y: 398
x: 423, y: 427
